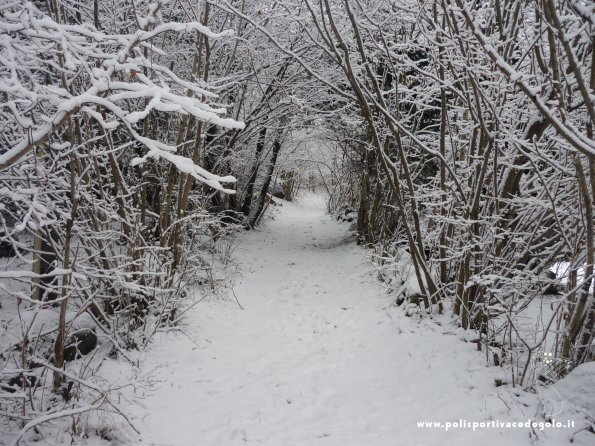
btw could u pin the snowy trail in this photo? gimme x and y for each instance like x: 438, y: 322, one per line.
x: 316, y: 357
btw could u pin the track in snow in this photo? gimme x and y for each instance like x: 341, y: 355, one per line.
x: 315, y: 358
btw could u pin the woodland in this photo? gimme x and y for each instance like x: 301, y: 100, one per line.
x: 139, y: 138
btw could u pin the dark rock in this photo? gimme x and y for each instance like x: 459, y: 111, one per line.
x: 349, y: 217
x: 6, y: 249
x: 340, y: 211
x: 416, y: 299
x: 18, y: 382
x: 34, y: 364
x: 7, y: 388
x: 545, y: 379
x: 552, y: 283
x: 79, y: 344
x: 278, y: 192
x: 346, y: 213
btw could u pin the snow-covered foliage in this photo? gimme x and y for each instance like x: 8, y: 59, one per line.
x: 472, y: 123
x: 456, y: 137
x: 93, y: 115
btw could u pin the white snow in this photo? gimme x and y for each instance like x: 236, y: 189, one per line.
x: 320, y: 356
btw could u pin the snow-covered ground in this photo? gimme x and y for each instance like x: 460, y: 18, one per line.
x: 320, y: 355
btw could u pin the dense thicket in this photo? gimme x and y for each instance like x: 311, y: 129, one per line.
x: 474, y: 149
x: 137, y: 137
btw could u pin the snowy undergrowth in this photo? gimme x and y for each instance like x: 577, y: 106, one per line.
x: 522, y: 330
x: 101, y: 384
x: 309, y: 349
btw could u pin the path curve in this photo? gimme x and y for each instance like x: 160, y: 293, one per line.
x: 315, y: 357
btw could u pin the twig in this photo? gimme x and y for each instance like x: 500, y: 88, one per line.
x: 234, y: 295
x: 102, y: 392
x: 64, y: 413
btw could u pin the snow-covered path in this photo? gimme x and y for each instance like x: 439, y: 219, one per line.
x: 317, y: 357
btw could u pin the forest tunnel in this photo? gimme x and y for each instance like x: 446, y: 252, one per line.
x: 457, y: 137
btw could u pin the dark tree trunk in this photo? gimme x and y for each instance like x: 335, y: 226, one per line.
x: 246, y: 207
x: 265, y: 187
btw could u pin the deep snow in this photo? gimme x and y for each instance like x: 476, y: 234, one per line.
x: 320, y: 355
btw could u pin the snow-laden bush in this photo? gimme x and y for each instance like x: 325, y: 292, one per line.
x: 102, y: 211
